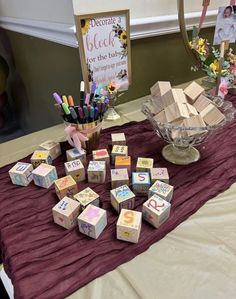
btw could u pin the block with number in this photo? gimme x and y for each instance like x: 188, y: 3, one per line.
x: 86, y: 197
x: 92, y: 221
x: 193, y: 91
x: 128, y: 226
x: 118, y: 139
x: 161, y: 189
x: 21, y: 174
x: 65, y: 212
x: 44, y: 175
x: 97, y: 172
x: 74, y: 154
x: 101, y: 155
x: 76, y: 169
x: 119, y: 177
x: 156, y: 210
x: 140, y: 182
x: 53, y: 147
x: 123, y: 162
x: 118, y: 150
x: 160, y: 174
x: 122, y: 198
x: 144, y: 164
x: 66, y: 186
x: 40, y: 156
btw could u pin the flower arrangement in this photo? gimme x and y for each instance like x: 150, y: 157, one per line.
x: 120, y: 32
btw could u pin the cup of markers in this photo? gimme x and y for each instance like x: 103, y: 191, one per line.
x: 83, y: 121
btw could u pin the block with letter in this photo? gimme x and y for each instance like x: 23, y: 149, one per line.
x: 144, y: 164
x: 176, y: 112
x: 66, y: 186
x: 53, y: 147
x: 65, y: 212
x: 118, y: 150
x: 156, y: 210
x: 92, y: 221
x: 21, y: 174
x: 44, y: 175
x: 174, y: 95
x: 212, y: 115
x: 40, y: 156
x: 101, y: 155
x: 123, y: 162
x: 122, y: 198
x: 128, y: 226
x: 118, y: 139
x: 193, y: 91
x: 97, y: 172
x: 74, y: 154
x: 161, y: 189
x: 140, y: 182
x: 86, y: 197
x: 119, y: 177
x: 75, y: 168
x: 160, y: 174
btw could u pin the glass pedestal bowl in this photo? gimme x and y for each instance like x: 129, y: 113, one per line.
x: 182, y: 140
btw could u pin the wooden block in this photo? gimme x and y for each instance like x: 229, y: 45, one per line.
x: 156, y: 105
x: 21, y: 174
x: 176, y: 112
x: 40, y: 156
x: 66, y: 186
x: 156, y: 210
x: 160, y: 88
x: 74, y: 154
x: 194, y: 121
x: 65, y: 212
x: 122, y: 198
x: 174, y: 95
x: 118, y: 139
x: 193, y: 91
x: 44, y: 175
x: 140, y: 182
x: 76, y: 169
x: 118, y: 150
x: 119, y: 177
x: 92, y: 221
x: 101, y: 155
x: 144, y: 164
x: 201, y: 103
x: 53, y: 147
x: 86, y: 197
x: 97, y: 172
x: 123, y: 162
x: 212, y: 115
x: 191, y: 109
x: 128, y: 226
x: 161, y: 189
x: 160, y: 174
x: 161, y: 117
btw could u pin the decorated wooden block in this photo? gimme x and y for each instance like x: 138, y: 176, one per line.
x: 144, y: 164
x: 65, y: 212
x: 174, y: 95
x: 21, y: 174
x: 191, y: 109
x: 86, y: 197
x: 123, y: 162
x: 44, y: 175
x: 119, y: 177
x: 140, y: 182
x: 161, y: 117
x: 76, y: 169
x: 193, y: 91
x: 118, y: 139
x: 212, y: 115
x: 101, y: 155
x: 156, y: 210
x: 128, y: 226
x: 201, y: 103
x: 74, y: 154
x: 176, y: 112
x: 122, y: 198
x: 66, y: 186
x: 92, y: 221
x: 53, y: 147
x: 160, y: 174
x: 118, y: 150
x: 40, y: 156
x: 194, y: 121
x: 97, y: 172
x: 161, y: 189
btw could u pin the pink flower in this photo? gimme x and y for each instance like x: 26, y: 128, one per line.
x: 223, y: 88
x: 233, y: 69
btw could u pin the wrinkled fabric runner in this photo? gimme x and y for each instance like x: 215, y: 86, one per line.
x: 46, y: 261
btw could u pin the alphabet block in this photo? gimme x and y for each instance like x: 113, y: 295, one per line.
x: 140, y: 182
x: 123, y: 162
x: 161, y: 189
x: 174, y: 95
x: 76, y: 169
x: 97, y: 172
x: 156, y: 210
x: 118, y: 150
x: 40, y: 156
x: 118, y: 139
x: 128, y: 226
x: 176, y: 111
x: 53, y: 147
x: 144, y: 164
x: 92, y: 221
x: 122, y: 198
x: 193, y: 91
x: 44, y: 175
x: 212, y: 115
x: 65, y: 212
x: 119, y: 177
x: 86, y: 197
x: 74, y: 154
x: 101, y: 155
x: 21, y: 174
x: 160, y: 174
x: 66, y: 186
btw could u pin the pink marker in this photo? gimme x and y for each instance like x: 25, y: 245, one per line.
x: 87, y: 98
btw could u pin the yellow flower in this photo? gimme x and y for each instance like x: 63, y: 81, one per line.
x: 215, y: 66
x: 111, y: 88
x: 201, y: 42
x: 85, y: 26
x: 123, y: 37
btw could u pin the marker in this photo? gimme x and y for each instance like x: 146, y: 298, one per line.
x: 91, y: 113
x: 64, y: 98
x: 82, y: 86
x: 86, y: 113
x: 87, y: 99
x: 67, y: 112
x: 92, y: 91
x: 73, y: 114
x: 95, y: 113
x: 98, y: 90
x: 57, y: 98
x: 81, y: 115
x: 71, y: 101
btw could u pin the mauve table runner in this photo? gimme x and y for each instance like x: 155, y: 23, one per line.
x: 46, y: 261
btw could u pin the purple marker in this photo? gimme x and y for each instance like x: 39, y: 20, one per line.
x: 92, y: 91
x: 57, y: 98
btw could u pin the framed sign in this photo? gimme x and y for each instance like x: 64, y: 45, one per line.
x: 104, y: 45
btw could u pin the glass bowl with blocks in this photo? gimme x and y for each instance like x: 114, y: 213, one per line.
x: 183, y: 132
